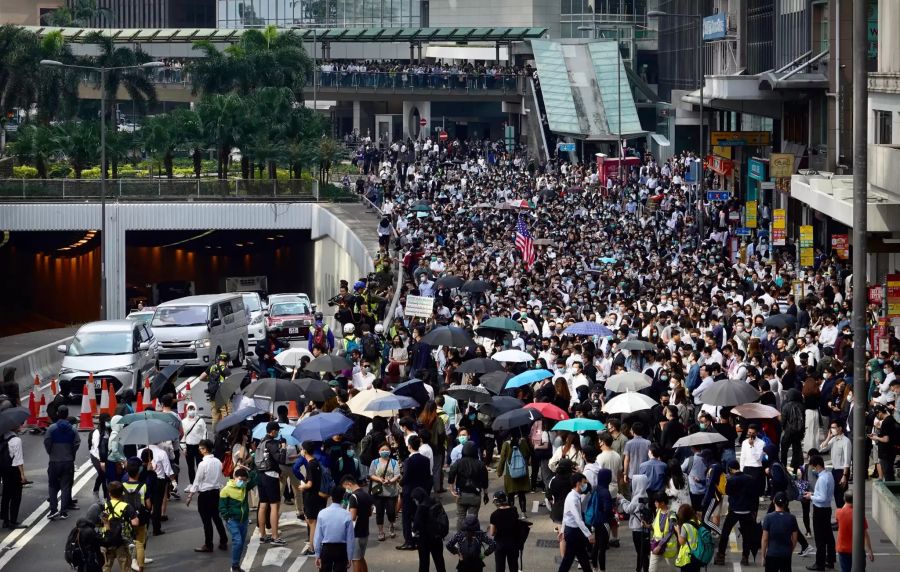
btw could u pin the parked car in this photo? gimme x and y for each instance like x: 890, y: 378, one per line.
x: 285, y: 297
x: 256, y: 329
x: 193, y: 330
x: 290, y: 320
x: 122, y: 352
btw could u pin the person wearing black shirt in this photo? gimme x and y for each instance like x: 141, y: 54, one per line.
x: 360, y: 506
x: 313, y: 501
x: 416, y: 474
x: 505, y: 531
x: 887, y: 439
x: 727, y: 430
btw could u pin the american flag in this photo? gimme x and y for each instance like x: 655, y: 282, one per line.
x: 525, y: 244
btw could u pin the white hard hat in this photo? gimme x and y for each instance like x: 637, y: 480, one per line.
x: 379, y: 329
x: 349, y: 329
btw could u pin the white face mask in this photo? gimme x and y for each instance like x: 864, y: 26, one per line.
x: 192, y: 413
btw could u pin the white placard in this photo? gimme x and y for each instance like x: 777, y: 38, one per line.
x: 419, y: 306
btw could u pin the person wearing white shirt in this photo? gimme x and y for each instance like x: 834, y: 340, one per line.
x: 575, y: 532
x: 193, y: 427
x: 206, y: 484
x: 363, y: 379
x: 163, y: 469
x: 705, y: 383
x: 752, y: 450
x: 828, y: 335
x: 13, y: 479
x: 426, y: 451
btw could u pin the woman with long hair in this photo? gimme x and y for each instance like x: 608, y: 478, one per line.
x: 571, y: 450
x: 812, y: 397
x: 437, y: 431
x: 563, y: 398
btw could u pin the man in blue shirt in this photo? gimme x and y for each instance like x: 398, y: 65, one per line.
x: 333, y: 541
x: 821, y: 498
x: 654, y: 470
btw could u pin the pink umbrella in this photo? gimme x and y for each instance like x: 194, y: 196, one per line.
x: 549, y: 411
x: 755, y: 411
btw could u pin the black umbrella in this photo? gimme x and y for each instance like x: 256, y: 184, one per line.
x: 728, y: 393
x: 449, y: 282
x: 495, y: 380
x: 781, y: 321
x: 479, y: 365
x: 414, y: 388
x: 167, y: 418
x: 147, y: 432
x: 274, y: 389
x: 476, y: 286
x: 329, y: 363
x: 12, y: 418
x: 516, y: 418
x: 229, y: 387
x: 237, y: 417
x: 167, y: 374
x: 449, y: 336
x: 315, y: 390
x: 470, y: 393
x: 501, y: 404
x: 637, y: 345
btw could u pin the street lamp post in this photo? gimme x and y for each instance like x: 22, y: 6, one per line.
x: 104, y: 313
x: 699, y: 18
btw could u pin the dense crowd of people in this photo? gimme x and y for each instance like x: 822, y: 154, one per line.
x: 421, y: 75
x: 676, y: 306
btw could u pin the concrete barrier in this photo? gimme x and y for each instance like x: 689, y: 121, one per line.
x: 886, y: 509
x: 43, y: 362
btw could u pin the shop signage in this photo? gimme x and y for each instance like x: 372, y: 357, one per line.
x: 757, y: 170
x: 714, y: 27
x: 742, y: 231
x: 893, y: 295
x: 720, y: 165
x: 779, y: 227
x: 807, y: 257
x: 718, y: 195
x: 875, y: 294
x: 567, y: 147
x: 781, y: 165
x: 840, y: 245
x: 750, y: 214
x: 741, y: 138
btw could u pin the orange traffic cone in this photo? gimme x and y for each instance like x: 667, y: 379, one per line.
x: 113, y: 404
x: 33, y: 402
x: 293, y: 414
x: 104, y: 396
x: 54, y: 388
x: 43, y: 420
x: 86, y: 422
x: 92, y: 394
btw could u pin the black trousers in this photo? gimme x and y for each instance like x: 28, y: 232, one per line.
x: 434, y: 550
x: 794, y: 444
x: 778, y: 564
x: 887, y: 465
x: 838, y: 489
x: 158, y: 491
x: 60, y: 475
x: 334, y: 557
x: 821, y: 521
x: 407, y: 517
x: 576, y: 549
x: 641, y: 540
x: 601, y: 545
x: 208, y: 507
x: 100, y: 481
x: 12, y: 494
x: 193, y: 457
x: 732, y: 518
x: 506, y: 555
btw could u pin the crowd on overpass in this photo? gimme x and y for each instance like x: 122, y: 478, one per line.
x: 421, y: 75
x: 584, y: 330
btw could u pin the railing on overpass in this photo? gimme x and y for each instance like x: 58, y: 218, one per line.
x: 392, y: 81
x: 162, y: 188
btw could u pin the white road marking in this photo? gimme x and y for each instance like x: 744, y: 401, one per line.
x: 276, y: 556
x: 41, y: 522
x: 737, y: 567
x: 252, y: 549
x: 298, y: 564
x: 535, y: 506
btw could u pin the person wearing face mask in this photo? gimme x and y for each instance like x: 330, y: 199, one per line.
x: 193, y: 427
x: 577, y: 535
x: 821, y: 498
x: 207, y: 485
x: 234, y: 508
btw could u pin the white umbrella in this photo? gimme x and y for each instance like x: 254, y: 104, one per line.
x: 628, y: 381
x: 628, y: 402
x: 699, y: 439
x: 361, y: 400
x: 512, y: 356
x: 291, y: 357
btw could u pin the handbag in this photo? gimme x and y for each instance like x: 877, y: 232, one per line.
x: 375, y: 489
x: 228, y: 464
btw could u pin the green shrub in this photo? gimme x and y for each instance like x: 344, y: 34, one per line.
x: 59, y: 171
x: 24, y: 172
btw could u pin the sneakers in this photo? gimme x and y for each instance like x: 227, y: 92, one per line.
x: 174, y: 496
x: 63, y: 516
x: 808, y: 551
x: 719, y: 560
x: 278, y: 542
x: 265, y: 539
x: 52, y: 515
x: 134, y: 565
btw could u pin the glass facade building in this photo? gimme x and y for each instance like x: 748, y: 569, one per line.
x: 322, y: 13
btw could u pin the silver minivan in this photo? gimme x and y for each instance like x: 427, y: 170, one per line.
x: 193, y: 330
x: 121, y: 352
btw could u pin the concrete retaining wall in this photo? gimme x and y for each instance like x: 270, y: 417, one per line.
x: 886, y: 509
x: 43, y: 362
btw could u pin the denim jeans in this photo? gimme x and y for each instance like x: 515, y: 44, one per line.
x: 238, y: 531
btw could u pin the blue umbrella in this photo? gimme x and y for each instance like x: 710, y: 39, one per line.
x: 588, y: 329
x: 527, y: 378
x: 391, y: 402
x: 414, y: 388
x: 321, y: 427
x: 259, y: 432
x: 608, y: 260
x: 579, y: 424
x: 237, y: 417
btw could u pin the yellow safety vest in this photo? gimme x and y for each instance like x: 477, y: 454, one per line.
x: 659, y: 533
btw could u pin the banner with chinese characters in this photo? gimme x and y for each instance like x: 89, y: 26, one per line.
x: 781, y: 165
x: 807, y: 257
x: 840, y: 245
x: 779, y: 227
x: 893, y: 295
x: 750, y: 214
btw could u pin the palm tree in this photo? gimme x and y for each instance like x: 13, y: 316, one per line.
x: 189, y: 134
x: 119, y: 145
x: 79, y: 142
x: 35, y: 145
x: 222, y: 117
x: 329, y: 152
x: 270, y: 132
x: 159, y: 136
x: 211, y: 72
x: 82, y: 13
x: 135, y: 81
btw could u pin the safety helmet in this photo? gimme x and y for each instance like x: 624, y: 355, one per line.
x: 379, y: 329
x: 319, y: 317
x: 359, y: 285
x: 222, y: 357
x: 349, y: 329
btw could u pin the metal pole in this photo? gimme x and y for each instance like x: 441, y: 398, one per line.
x: 702, y: 196
x: 860, y: 176
x: 315, y: 75
x: 621, y: 150
x: 103, y: 312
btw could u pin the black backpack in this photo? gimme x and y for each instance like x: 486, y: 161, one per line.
x: 5, y: 456
x: 440, y: 522
x: 469, y: 548
x: 371, y: 349
x: 78, y: 556
x: 133, y: 498
x: 118, y: 529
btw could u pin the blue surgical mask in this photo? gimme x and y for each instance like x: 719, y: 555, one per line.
x: 463, y: 439
x: 385, y: 454
x: 240, y: 484
x: 584, y: 488
x: 351, y: 453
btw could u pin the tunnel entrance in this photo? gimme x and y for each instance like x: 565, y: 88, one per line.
x: 53, y: 278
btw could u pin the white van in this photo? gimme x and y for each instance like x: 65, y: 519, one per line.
x: 193, y: 330
x: 256, y: 330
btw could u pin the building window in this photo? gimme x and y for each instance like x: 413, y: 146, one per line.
x: 883, y: 127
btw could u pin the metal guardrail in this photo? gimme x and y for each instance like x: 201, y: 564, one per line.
x: 398, y: 269
x: 163, y: 188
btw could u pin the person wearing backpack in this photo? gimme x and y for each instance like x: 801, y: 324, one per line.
x: 779, y: 536
x: 513, y: 467
x: 269, y: 456
x: 471, y: 545
x: 99, y: 453
x: 136, y: 495
x: 83, y: 551
x: 321, y: 336
x: 431, y: 525
x: 371, y: 347
x: 119, y: 520
x: 312, y: 491
x: 695, y: 543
